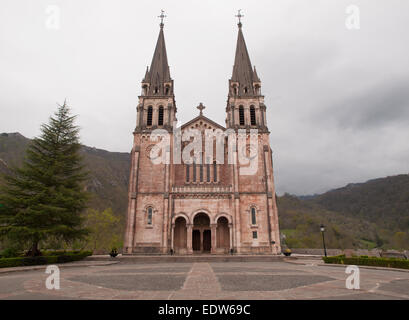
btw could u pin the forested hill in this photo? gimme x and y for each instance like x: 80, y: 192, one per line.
x: 365, y: 215
x: 109, y: 171
x: 384, y: 201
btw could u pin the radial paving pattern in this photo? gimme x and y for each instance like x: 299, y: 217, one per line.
x: 228, y: 280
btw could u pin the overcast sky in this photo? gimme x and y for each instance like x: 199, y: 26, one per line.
x: 337, y: 99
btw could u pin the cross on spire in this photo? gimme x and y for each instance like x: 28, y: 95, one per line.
x: 162, y: 16
x: 201, y: 107
x: 239, y: 16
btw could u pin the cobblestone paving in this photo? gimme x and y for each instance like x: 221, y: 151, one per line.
x: 225, y: 280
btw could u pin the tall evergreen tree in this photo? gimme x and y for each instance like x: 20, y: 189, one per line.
x: 45, y: 197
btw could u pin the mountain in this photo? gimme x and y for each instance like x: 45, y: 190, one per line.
x: 109, y: 172
x: 360, y: 215
x: 384, y: 201
x: 300, y: 222
x: 363, y: 215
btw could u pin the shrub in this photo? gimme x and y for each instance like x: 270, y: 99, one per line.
x: 40, y: 260
x: 10, y: 253
x: 369, y: 261
x: 58, y: 252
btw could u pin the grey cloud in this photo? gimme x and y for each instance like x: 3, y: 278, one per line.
x: 384, y: 104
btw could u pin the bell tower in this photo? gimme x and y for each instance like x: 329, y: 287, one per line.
x: 254, y: 193
x: 157, y: 107
x: 245, y: 103
x: 149, y: 182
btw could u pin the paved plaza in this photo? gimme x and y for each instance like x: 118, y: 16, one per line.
x: 294, y: 279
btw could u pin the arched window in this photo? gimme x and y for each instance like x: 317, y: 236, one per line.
x: 245, y: 90
x: 201, y: 172
x: 253, y: 115
x: 149, y: 119
x: 253, y: 216
x: 149, y: 217
x: 160, y: 116
x: 167, y: 89
x: 241, y: 115
x: 194, y: 171
x: 156, y: 90
x: 214, y: 171
x: 208, y: 171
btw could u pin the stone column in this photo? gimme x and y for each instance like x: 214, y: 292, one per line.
x: 237, y: 115
x: 138, y: 115
x: 139, y: 118
x: 264, y: 117
x: 231, y: 235
x: 165, y: 223
x: 169, y: 115
x: 258, y: 115
x: 155, y: 116
x: 236, y: 203
x: 271, y: 210
x: 213, y: 227
x: 247, y: 115
x: 172, y: 237
x: 166, y: 204
x: 133, y: 182
x: 189, y: 238
x: 165, y: 115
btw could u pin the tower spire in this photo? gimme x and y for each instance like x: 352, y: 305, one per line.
x: 243, y: 73
x: 158, y: 74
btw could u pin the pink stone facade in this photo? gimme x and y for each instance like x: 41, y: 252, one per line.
x: 200, y: 208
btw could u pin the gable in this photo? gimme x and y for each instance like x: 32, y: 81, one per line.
x: 202, y: 123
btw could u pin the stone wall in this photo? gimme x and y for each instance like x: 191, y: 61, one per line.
x: 355, y: 252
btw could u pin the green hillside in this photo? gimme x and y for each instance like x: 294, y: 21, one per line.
x: 363, y: 215
x: 300, y: 222
x: 384, y: 201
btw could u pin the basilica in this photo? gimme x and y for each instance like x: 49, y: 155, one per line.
x: 210, y: 205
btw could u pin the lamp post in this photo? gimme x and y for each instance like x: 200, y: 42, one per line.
x: 322, y: 228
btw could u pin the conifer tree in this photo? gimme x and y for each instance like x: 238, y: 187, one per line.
x: 45, y: 197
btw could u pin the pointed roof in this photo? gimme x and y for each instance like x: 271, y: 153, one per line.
x: 243, y: 72
x: 158, y: 73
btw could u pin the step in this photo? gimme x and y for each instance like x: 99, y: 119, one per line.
x: 190, y: 258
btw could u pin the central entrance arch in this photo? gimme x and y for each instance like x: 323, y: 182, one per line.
x: 202, y: 234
